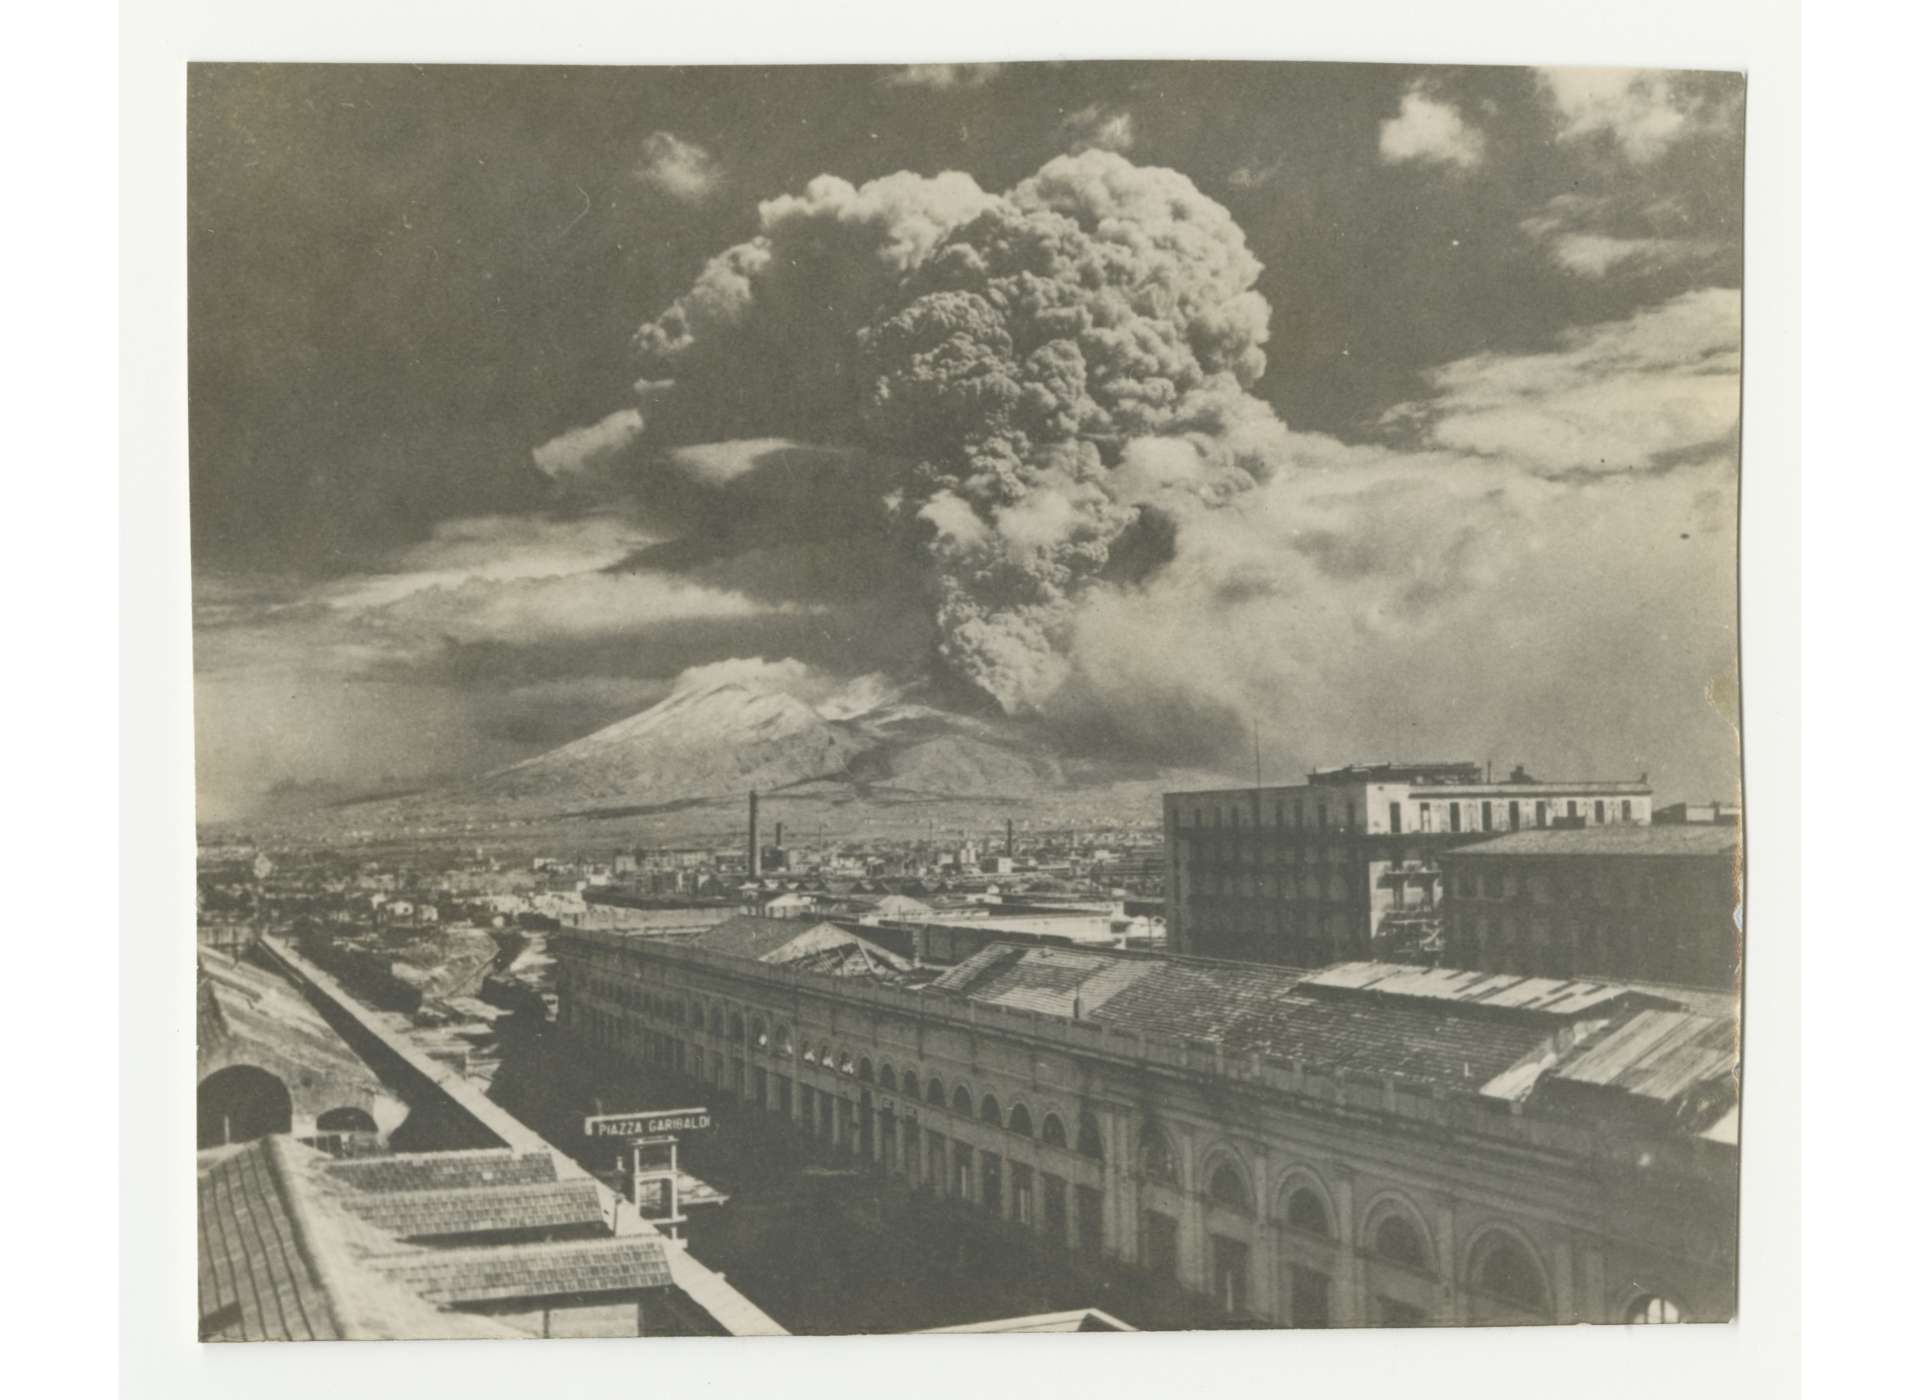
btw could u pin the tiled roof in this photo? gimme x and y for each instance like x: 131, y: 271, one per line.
x: 417, y: 1215
x: 1607, y: 841
x: 544, y: 1271
x: 443, y: 1171
x: 254, y: 1276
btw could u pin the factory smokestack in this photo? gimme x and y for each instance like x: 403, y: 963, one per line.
x: 780, y: 835
x: 1009, y: 838
x: 753, y: 835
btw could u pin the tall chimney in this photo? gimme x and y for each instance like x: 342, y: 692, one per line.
x: 1009, y: 838
x: 780, y: 835
x: 753, y: 835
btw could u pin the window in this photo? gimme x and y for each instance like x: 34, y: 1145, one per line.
x: 786, y: 1041
x: 989, y: 1110
x: 1229, y: 1189
x: 1310, y: 1303
x: 886, y: 1078
x: 1599, y: 812
x: 936, y: 1092
x: 1395, y: 1239
x: 866, y: 1071
x: 1053, y: 1207
x: 1540, y: 814
x: 937, y: 1163
x: 1453, y: 816
x: 990, y: 1181
x: 962, y: 1101
x: 1652, y: 1308
x: 1486, y: 816
x: 1088, y: 1144
x: 1513, y: 816
x: 1090, y: 1219
x: 1426, y: 816
x: 1503, y: 1270
x: 759, y: 1034
x: 1053, y: 1132
x: 1160, y: 1244
x: 963, y: 1171
x: 1022, y: 1193
x: 910, y: 1084
x: 1393, y: 817
x: 1353, y: 814
x: 1306, y: 1213
x: 1229, y: 1273
x: 1156, y: 1157
x: 1020, y: 1121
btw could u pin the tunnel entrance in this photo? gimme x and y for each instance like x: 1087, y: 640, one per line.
x: 241, y: 1103
x: 346, y: 1120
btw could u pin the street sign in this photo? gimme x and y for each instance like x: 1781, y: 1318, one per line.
x: 649, y: 1123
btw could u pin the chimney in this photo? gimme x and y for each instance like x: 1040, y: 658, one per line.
x: 1009, y: 838
x: 780, y: 835
x: 753, y: 835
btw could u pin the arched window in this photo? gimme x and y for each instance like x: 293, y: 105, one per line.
x: 786, y: 1041
x: 1652, y: 1308
x: 760, y: 1040
x: 1395, y: 1238
x: 910, y: 1084
x: 990, y: 1110
x: 1088, y: 1143
x: 1053, y: 1132
x: 810, y: 1055
x: 1156, y: 1156
x: 1020, y: 1121
x: 846, y: 1063
x: 962, y: 1100
x: 1306, y: 1213
x: 1502, y: 1268
x: 866, y: 1070
x: 886, y: 1078
x: 1228, y: 1188
x: 737, y: 1028
x: 936, y: 1092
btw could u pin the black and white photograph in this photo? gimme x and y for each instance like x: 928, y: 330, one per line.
x: 965, y: 697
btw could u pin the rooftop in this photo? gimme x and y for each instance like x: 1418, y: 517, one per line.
x: 1616, y: 840
x: 817, y: 946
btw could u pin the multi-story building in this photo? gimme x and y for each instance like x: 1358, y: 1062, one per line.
x: 1367, y: 1145
x: 1656, y: 903
x: 1346, y: 864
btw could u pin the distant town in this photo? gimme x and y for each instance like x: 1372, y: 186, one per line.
x: 1397, y: 1044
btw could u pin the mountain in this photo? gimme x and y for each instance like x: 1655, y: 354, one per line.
x: 718, y: 740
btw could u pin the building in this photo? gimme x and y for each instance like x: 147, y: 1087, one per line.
x: 1703, y: 813
x: 1346, y: 864
x: 1367, y: 1145
x: 1656, y: 903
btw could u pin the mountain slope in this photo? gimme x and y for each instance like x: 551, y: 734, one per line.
x: 717, y: 741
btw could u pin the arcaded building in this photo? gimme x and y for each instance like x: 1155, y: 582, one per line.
x: 1346, y: 865
x: 1655, y: 903
x: 1368, y: 1144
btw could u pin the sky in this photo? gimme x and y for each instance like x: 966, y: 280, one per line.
x: 1393, y: 410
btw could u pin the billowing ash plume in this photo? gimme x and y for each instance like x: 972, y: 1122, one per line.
x: 1060, y: 374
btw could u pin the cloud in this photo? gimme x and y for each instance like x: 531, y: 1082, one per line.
x: 1591, y: 236
x: 677, y: 168
x: 489, y: 548
x: 1430, y: 130
x: 1258, y: 176
x: 1639, y: 110
x: 942, y: 77
x: 1619, y: 396
x: 887, y: 315
x: 579, y: 452
x: 1097, y: 127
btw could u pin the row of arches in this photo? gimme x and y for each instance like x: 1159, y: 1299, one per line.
x: 1500, y: 1262
x: 1018, y: 1118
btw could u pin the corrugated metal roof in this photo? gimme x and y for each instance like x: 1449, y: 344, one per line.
x: 585, y: 1269
x: 413, y: 1215
x: 253, y: 1272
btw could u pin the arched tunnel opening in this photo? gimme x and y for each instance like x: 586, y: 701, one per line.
x: 241, y: 1103
x: 346, y: 1120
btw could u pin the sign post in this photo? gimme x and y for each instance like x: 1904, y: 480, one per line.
x: 654, y: 1136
